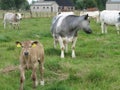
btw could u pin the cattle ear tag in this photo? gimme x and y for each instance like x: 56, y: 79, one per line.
x: 34, y: 45
x: 18, y: 45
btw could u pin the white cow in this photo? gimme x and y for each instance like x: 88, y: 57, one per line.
x: 13, y: 19
x: 91, y: 14
x: 109, y: 18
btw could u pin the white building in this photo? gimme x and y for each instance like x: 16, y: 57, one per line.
x: 113, y: 5
x: 52, y: 6
x: 46, y: 6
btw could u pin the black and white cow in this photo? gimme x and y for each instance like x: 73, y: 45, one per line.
x: 13, y: 19
x: 64, y: 30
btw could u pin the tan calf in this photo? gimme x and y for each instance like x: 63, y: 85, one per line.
x: 32, y: 55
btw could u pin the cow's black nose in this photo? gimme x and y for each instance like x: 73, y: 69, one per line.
x: 26, y: 53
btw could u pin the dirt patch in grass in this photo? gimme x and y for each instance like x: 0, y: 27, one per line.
x: 9, y: 69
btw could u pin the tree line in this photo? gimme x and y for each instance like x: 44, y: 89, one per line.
x: 14, y: 4
x: 83, y: 4
x: 23, y: 4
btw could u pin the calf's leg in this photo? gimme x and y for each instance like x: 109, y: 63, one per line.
x: 41, y: 66
x: 34, y: 76
x: 5, y: 25
x: 22, y: 78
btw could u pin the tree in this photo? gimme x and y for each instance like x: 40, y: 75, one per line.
x: 101, y: 4
x: 83, y: 4
x: 7, y: 4
x: 13, y: 4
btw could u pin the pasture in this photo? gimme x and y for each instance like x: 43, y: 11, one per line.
x: 96, y: 66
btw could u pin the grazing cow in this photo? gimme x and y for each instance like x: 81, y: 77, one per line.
x: 32, y: 55
x: 92, y: 14
x: 13, y: 19
x: 109, y: 18
x: 65, y: 28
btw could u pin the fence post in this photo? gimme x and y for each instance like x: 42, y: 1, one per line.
x: 30, y: 13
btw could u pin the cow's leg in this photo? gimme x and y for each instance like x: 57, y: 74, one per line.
x: 61, y: 46
x: 18, y: 26
x: 117, y: 28
x: 41, y: 66
x: 34, y: 76
x: 73, y: 47
x: 22, y: 77
x: 12, y: 26
x: 66, y: 45
x: 98, y: 19
x: 55, y: 42
x: 105, y: 28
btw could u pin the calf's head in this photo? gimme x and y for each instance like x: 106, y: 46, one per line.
x: 26, y: 46
x: 85, y: 24
x: 18, y: 16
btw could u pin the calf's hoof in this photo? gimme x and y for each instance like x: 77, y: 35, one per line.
x: 42, y: 83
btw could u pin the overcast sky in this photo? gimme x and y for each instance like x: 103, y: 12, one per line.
x: 30, y: 1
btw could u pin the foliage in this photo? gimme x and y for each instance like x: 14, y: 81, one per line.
x: 14, y: 4
x: 83, y: 4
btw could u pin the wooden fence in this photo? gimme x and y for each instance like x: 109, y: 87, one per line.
x: 28, y: 14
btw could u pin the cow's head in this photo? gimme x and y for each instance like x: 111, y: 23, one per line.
x: 18, y: 16
x: 86, y: 24
x: 26, y: 46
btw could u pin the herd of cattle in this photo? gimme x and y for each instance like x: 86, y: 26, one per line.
x: 64, y: 29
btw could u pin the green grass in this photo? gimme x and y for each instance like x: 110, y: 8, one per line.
x: 96, y: 66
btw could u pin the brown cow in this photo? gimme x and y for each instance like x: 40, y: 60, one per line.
x: 32, y: 55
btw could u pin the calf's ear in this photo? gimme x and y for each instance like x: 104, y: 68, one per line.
x: 16, y: 14
x: 18, y: 44
x: 34, y: 43
x: 86, y: 17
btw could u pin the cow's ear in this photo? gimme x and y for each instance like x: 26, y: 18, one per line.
x: 86, y: 17
x: 16, y: 14
x: 22, y: 14
x: 34, y: 43
x: 18, y: 44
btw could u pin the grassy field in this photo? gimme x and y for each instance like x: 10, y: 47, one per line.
x: 96, y: 66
